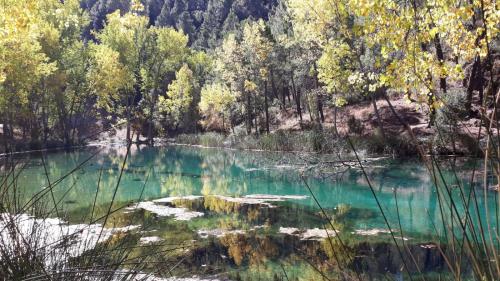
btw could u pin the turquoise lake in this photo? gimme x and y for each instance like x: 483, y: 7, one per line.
x: 404, y: 189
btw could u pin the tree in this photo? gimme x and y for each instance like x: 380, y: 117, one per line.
x: 63, y: 94
x: 128, y: 35
x: 243, y: 64
x: 229, y: 66
x: 178, y: 97
x: 256, y: 48
x: 400, y: 47
x: 109, y: 79
x: 22, y: 62
x: 347, y: 55
x: 170, y: 51
x: 217, y: 99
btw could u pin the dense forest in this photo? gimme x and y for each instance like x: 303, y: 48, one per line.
x: 72, y: 69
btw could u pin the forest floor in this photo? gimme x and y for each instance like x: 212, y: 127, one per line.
x: 364, y: 112
x: 417, y: 119
x: 465, y: 131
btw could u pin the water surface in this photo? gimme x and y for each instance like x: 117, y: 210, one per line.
x: 222, y: 180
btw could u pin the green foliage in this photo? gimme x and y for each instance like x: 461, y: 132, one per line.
x: 216, y: 101
x: 179, y: 95
x: 299, y: 57
x: 108, y: 77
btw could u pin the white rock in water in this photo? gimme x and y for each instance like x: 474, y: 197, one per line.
x: 272, y: 197
x: 54, y: 239
x: 205, y: 233
x: 180, y: 214
x: 249, y: 201
x: 317, y: 234
x: 125, y: 228
x: 261, y: 199
x: 370, y: 232
x: 150, y: 240
x: 172, y: 199
x: 289, y: 230
x: 308, y: 234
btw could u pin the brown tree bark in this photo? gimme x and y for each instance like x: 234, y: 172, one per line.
x: 296, y: 98
x: 380, y: 123
x: 266, y: 107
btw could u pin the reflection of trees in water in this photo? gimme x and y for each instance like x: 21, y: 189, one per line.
x: 176, y: 171
x: 254, y: 250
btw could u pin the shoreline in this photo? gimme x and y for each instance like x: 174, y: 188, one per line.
x: 164, y: 143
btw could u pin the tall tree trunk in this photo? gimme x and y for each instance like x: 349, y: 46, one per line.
x: 45, y: 119
x: 320, y: 108
x: 296, y: 98
x: 5, y: 135
x: 128, y: 137
x: 299, y: 107
x: 475, y: 81
x: 471, y: 84
x: 431, y: 94
x: 288, y: 94
x: 223, y: 123
x: 74, y: 123
x: 380, y: 123
x: 266, y: 107
x: 319, y: 100
x: 273, y: 87
x: 335, y: 130
x: 63, y: 116
x: 248, y: 113
x: 69, y: 123
x: 136, y: 96
x: 231, y: 123
x: 440, y: 56
x: 255, y: 115
x: 309, y: 107
x: 11, y: 126
x: 283, y: 96
x: 151, y: 116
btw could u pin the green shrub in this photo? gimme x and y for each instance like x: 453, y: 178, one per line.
x: 316, y: 139
x: 191, y: 139
x: 212, y: 139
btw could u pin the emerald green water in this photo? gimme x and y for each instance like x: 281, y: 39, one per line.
x: 160, y: 172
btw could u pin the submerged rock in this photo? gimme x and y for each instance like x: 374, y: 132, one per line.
x: 150, y: 240
x: 308, y: 234
x: 180, y: 214
x: 218, y: 232
x: 289, y: 230
x: 317, y: 234
x: 177, y: 198
x: 371, y: 232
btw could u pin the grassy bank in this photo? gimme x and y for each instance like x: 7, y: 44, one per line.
x: 312, y: 141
